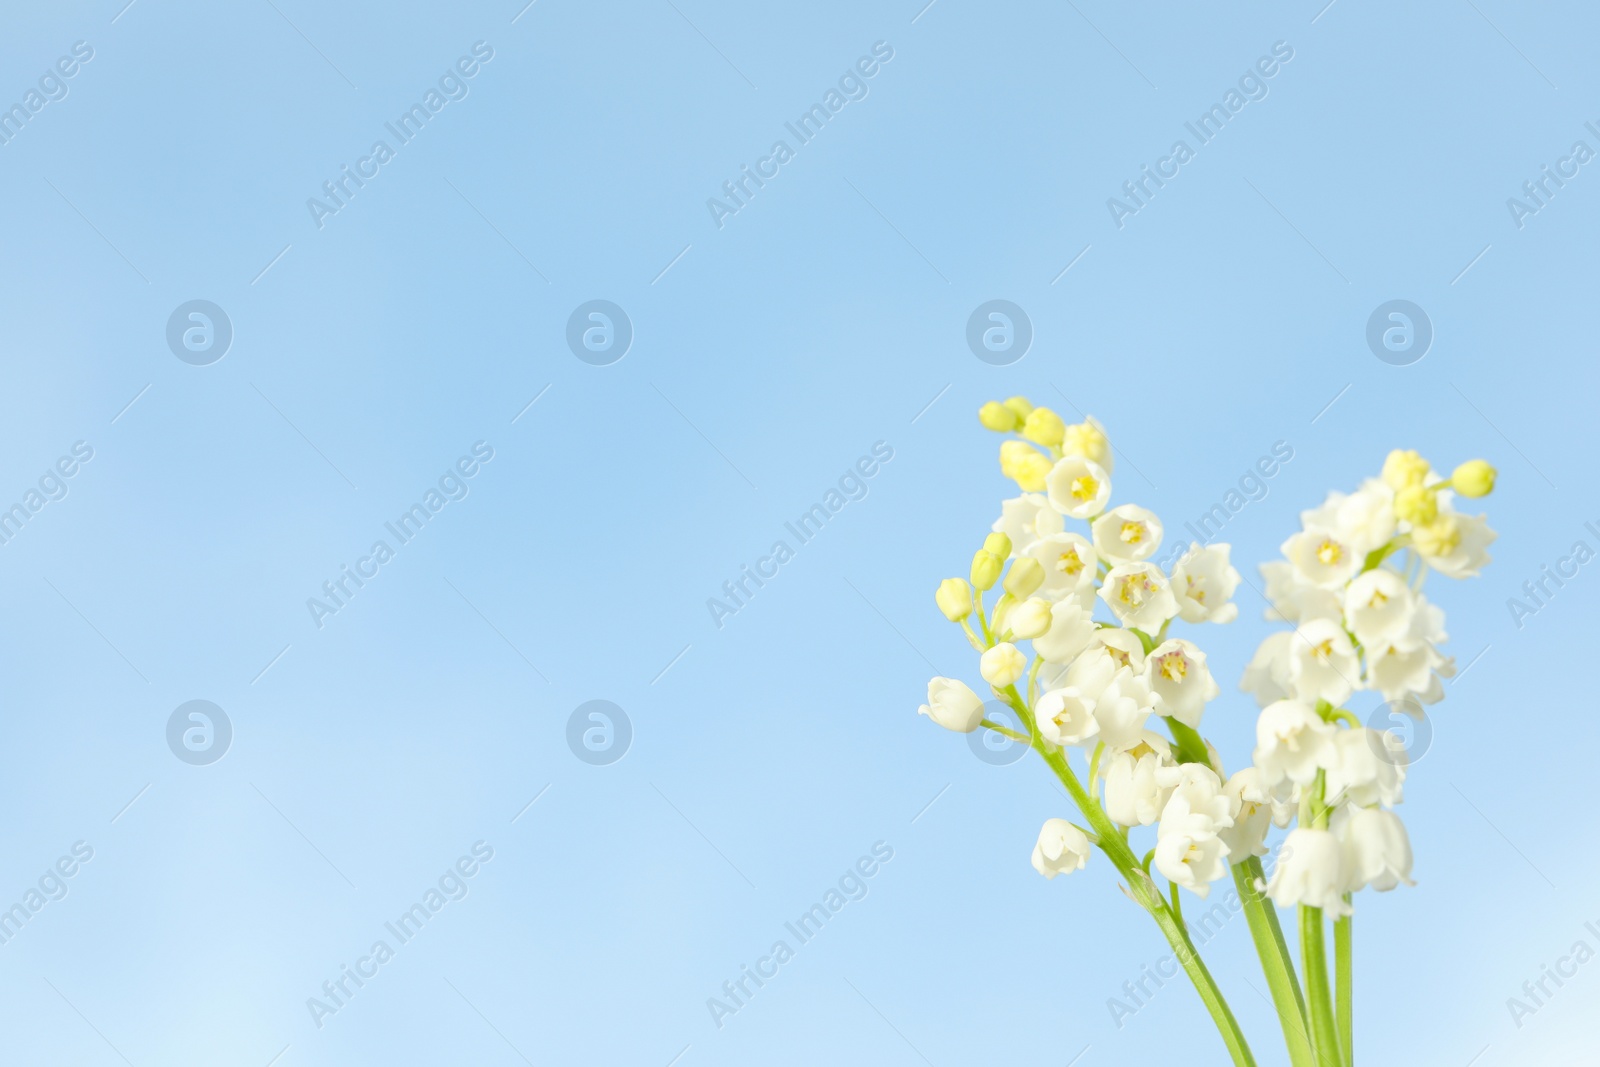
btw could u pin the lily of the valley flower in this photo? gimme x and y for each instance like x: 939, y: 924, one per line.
x: 953, y: 705
x: 1248, y: 834
x: 1139, y: 596
x: 1377, y: 851
x: 1030, y: 619
x: 1070, y: 566
x: 1071, y: 630
x: 1322, y: 662
x: 1066, y: 717
x: 1121, y: 709
x: 1204, y: 581
x: 1310, y: 871
x: 1292, y: 744
x: 1366, y: 767
x: 1027, y: 518
x: 1181, y: 681
x: 1320, y: 557
x: 1138, y: 782
x: 1466, y: 552
x: 1061, y: 849
x: 1002, y: 665
x: 1191, y: 856
x: 1127, y: 534
x: 1378, y: 606
x: 1078, y: 487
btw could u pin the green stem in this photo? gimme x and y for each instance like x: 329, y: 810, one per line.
x: 1276, y: 963
x: 1191, y: 746
x: 1314, y: 958
x: 1344, y: 983
x: 983, y: 621
x: 997, y: 728
x: 1143, y: 890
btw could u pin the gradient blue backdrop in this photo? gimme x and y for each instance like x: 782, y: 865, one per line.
x: 770, y: 353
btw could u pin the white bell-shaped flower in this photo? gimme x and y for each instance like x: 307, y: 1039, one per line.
x: 1066, y: 717
x: 953, y: 705
x: 1180, y: 679
x: 1127, y: 534
x: 1310, y: 871
x: 1323, y: 663
x: 1139, y: 595
x: 1378, y: 606
x: 1377, y: 852
x: 1248, y: 834
x: 1204, y: 581
x: 1292, y: 744
x: 1061, y: 849
x: 1027, y: 518
x: 1078, y: 487
x: 1070, y: 566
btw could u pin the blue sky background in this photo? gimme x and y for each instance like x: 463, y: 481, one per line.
x: 768, y: 355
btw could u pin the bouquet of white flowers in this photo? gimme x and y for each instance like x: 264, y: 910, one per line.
x: 1350, y: 588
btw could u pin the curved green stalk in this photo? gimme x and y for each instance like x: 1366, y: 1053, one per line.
x: 1142, y: 889
x: 1276, y: 963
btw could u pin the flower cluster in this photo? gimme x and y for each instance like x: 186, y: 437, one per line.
x: 1360, y: 622
x: 1077, y: 644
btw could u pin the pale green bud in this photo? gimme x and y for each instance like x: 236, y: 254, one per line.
x: 999, y: 544
x: 954, y: 599
x: 986, y: 567
x: 1025, y: 576
x: 997, y: 417
x: 1475, y: 477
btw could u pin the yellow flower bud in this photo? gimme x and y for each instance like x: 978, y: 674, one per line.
x: 954, y: 599
x: 1044, y: 427
x: 1024, y: 578
x: 1473, y: 478
x: 1416, y: 504
x: 997, y: 417
x: 986, y: 569
x: 1024, y: 465
x: 1404, y: 467
x: 1086, y: 439
x: 1032, y: 472
x: 998, y: 543
x: 1439, y: 538
x: 1020, y: 407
